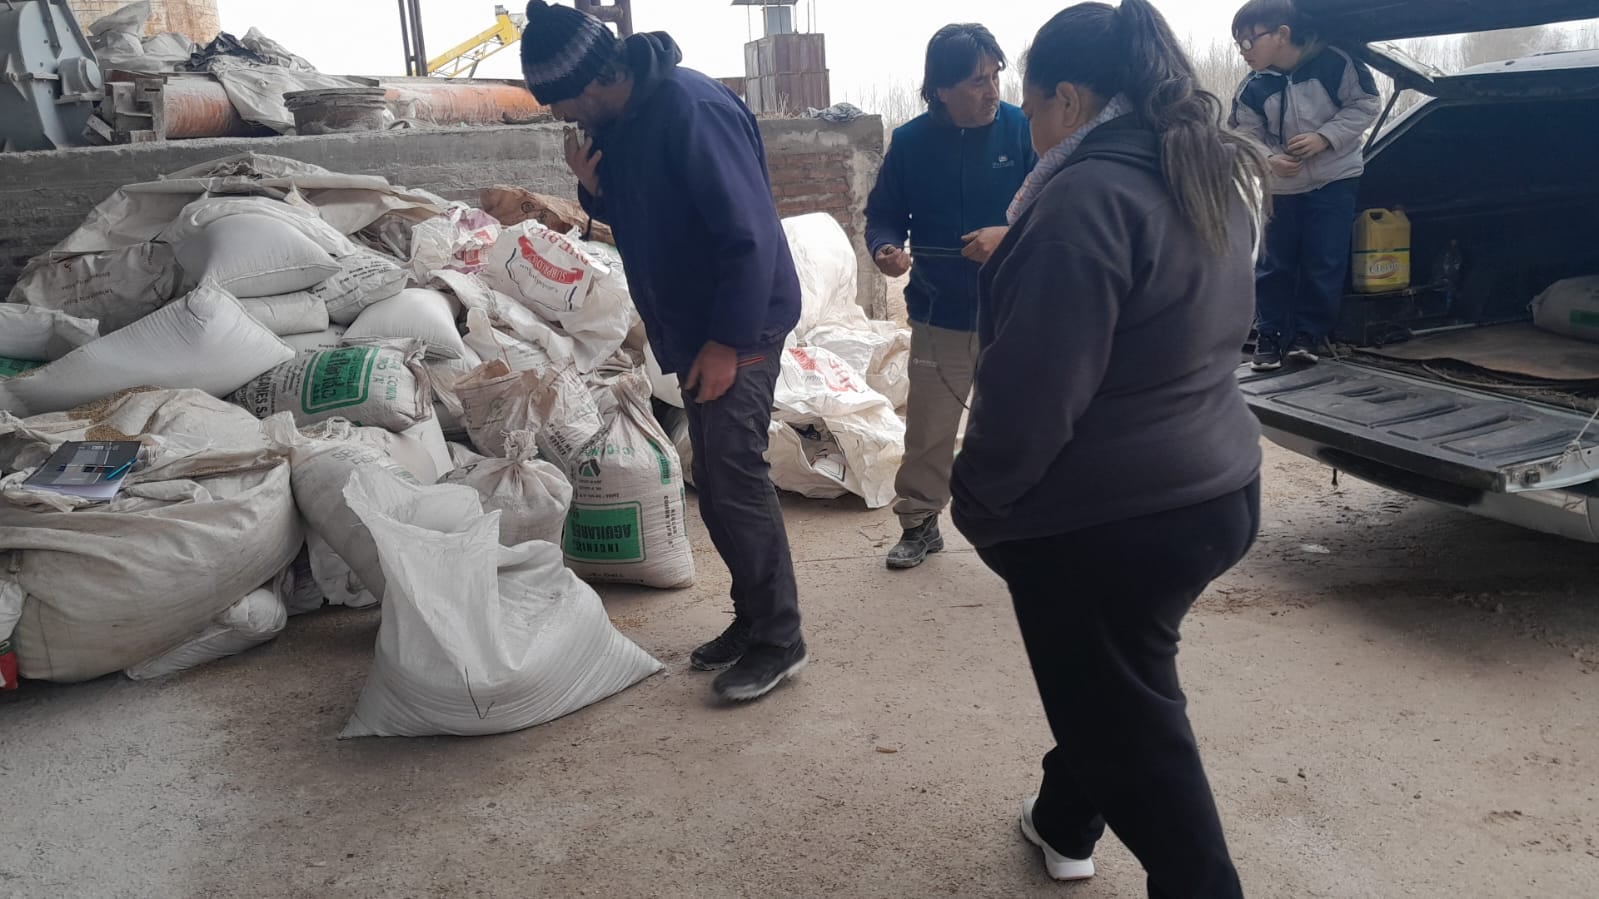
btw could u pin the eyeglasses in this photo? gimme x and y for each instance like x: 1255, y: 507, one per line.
x: 1248, y: 43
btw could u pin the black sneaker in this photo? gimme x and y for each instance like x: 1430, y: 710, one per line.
x: 724, y: 651
x: 763, y: 667
x: 916, y: 545
x: 1266, y: 358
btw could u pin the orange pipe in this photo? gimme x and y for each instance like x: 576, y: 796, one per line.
x: 443, y: 102
x: 197, y: 107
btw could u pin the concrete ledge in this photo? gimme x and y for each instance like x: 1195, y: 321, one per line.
x: 45, y: 196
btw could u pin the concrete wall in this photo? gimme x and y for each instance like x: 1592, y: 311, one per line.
x: 45, y: 196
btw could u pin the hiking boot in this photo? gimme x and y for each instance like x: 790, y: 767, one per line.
x: 725, y: 651
x: 1059, y: 866
x: 761, y: 669
x: 916, y: 545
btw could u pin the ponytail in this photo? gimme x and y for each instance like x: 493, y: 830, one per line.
x: 1131, y: 50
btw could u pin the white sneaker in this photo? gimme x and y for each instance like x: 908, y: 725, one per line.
x: 1059, y: 866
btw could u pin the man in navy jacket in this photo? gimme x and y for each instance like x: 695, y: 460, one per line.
x: 673, y: 161
x: 947, y: 181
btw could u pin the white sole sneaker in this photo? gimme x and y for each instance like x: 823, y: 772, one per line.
x: 1059, y: 866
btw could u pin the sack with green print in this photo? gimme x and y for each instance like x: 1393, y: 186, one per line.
x: 627, y: 522
x: 10, y: 368
x: 380, y: 386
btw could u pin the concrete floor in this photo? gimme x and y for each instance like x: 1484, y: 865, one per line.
x: 1411, y: 713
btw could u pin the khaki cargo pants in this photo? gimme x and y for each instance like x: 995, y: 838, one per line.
x: 943, y: 364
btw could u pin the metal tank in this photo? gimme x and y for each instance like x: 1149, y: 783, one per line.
x: 198, y: 20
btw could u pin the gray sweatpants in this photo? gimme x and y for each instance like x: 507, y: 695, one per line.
x: 738, y: 502
x: 943, y: 364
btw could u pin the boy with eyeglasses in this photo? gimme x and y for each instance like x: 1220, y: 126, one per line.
x: 1311, y: 105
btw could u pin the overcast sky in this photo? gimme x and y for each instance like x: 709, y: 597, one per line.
x: 868, y: 41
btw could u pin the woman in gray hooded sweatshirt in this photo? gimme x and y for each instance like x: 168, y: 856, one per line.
x: 1111, y: 469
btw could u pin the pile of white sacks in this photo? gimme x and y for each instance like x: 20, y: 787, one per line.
x: 351, y: 393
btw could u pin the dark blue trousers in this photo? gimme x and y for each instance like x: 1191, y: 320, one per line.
x: 1299, y: 281
x: 738, y: 502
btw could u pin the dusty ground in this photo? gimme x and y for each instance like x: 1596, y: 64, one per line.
x: 1410, y: 713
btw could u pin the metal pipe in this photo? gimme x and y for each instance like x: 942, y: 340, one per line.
x: 405, y: 38
x: 417, y: 39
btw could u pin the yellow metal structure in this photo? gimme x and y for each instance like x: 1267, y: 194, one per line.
x: 463, y: 60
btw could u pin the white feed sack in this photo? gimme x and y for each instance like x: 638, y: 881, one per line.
x: 255, y: 256
x: 322, y: 466
x: 531, y: 495
x: 205, y: 518
x: 561, y: 282
x: 421, y: 450
x: 416, y: 313
x: 205, y: 341
x: 490, y: 313
x: 335, y: 580
x: 116, y: 287
x: 1570, y: 307
x: 458, y: 239
x: 246, y: 624
x: 198, y: 216
x: 667, y: 388
x: 828, y: 272
x: 289, y: 314
x: 364, y: 278
x: 377, y: 386
x: 477, y: 638
x: 807, y: 462
x: 627, y: 523
x: 297, y: 585
x: 817, y: 388
x: 330, y: 339
x: 830, y: 316
x: 555, y: 406
x: 33, y: 334
x: 493, y: 344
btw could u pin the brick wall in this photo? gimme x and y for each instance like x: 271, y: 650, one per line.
x: 818, y: 166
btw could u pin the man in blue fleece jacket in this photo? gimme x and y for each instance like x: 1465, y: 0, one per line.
x: 947, y: 181
x: 673, y: 161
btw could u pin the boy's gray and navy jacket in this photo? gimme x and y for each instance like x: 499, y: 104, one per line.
x: 1332, y: 94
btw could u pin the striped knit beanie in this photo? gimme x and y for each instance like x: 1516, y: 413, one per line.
x: 563, y: 51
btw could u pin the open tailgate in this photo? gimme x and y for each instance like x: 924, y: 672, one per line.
x: 1354, y: 415
x: 1365, y: 21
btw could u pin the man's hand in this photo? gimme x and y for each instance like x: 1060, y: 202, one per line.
x: 1286, y: 166
x: 892, y: 261
x: 1307, y: 145
x: 584, y: 161
x: 713, y: 373
x: 980, y: 245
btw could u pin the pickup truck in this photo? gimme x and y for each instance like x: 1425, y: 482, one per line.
x: 1446, y: 391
